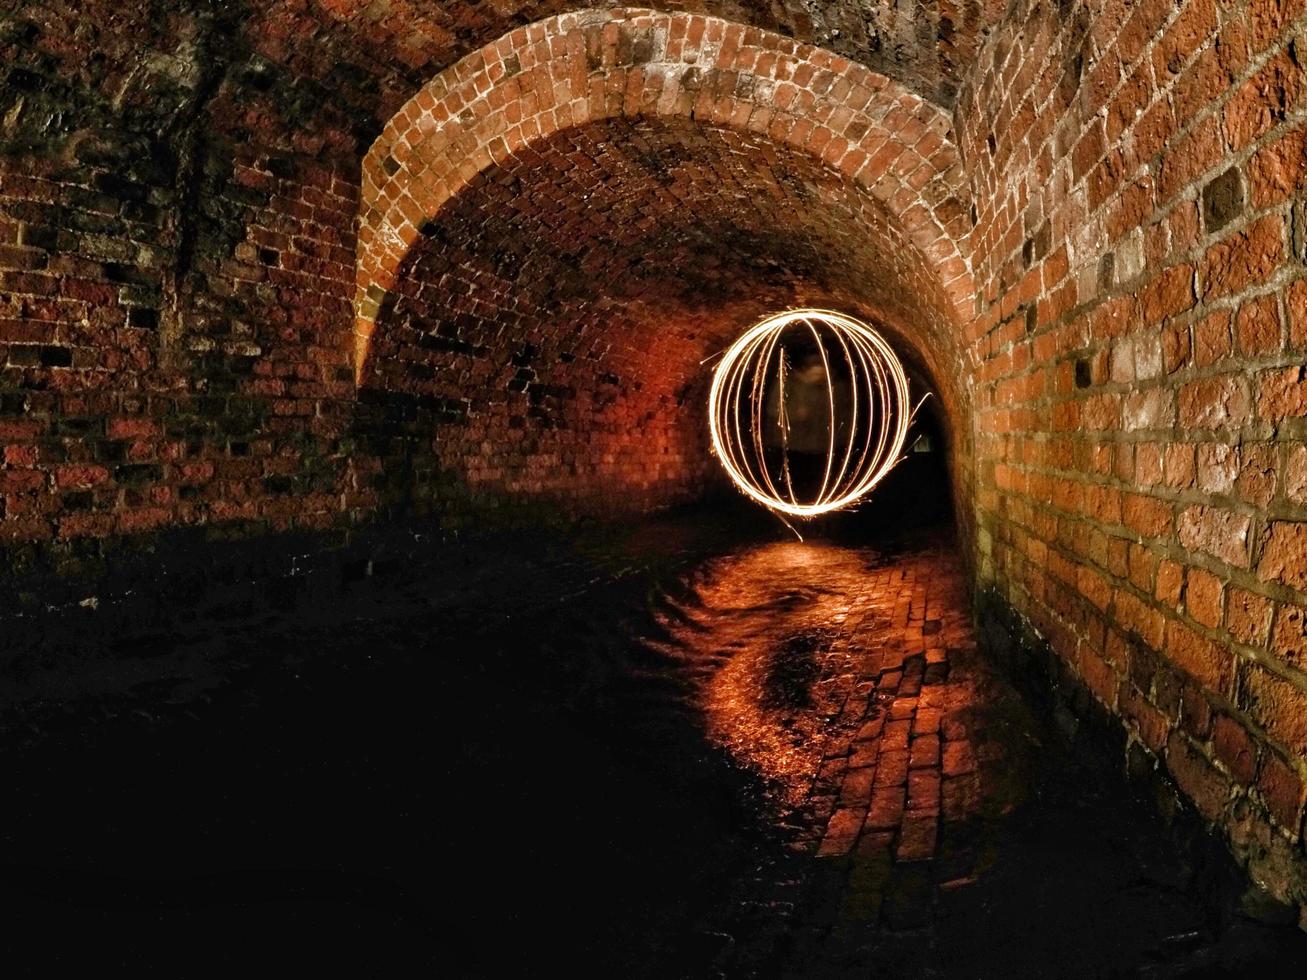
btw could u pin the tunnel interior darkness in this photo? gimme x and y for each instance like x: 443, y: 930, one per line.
x: 551, y: 335
x: 370, y: 591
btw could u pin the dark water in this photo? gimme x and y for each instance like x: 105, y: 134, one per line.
x: 593, y: 755
x: 486, y: 770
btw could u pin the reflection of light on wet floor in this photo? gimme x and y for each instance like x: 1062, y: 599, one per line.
x: 775, y: 609
x: 845, y: 682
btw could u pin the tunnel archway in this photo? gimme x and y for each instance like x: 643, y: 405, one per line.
x: 571, y: 220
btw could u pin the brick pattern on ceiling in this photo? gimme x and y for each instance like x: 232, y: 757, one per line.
x: 358, y: 62
x: 574, y: 295
x: 928, y: 46
x: 572, y: 69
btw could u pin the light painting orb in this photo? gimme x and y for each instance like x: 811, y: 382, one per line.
x: 808, y: 411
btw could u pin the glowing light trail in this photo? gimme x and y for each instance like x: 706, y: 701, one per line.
x: 860, y: 448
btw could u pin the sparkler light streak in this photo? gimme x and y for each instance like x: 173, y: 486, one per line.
x: 861, y: 447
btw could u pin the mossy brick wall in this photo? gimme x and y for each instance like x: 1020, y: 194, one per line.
x: 177, y: 218
x: 929, y: 47
x: 1140, y: 395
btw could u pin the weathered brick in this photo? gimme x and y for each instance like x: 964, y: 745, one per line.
x: 1169, y: 293
x: 1248, y: 616
x: 1296, y: 304
x: 1258, y: 326
x: 1170, y: 582
x: 1282, y: 393
x: 1212, y: 339
x: 1203, y: 597
x: 1216, y: 531
x: 80, y: 476
x: 1234, y: 748
x: 1284, y: 554
x: 1243, y: 259
x: 1214, y: 403
x: 1151, y: 725
x: 1199, y: 779
x: 1277, y: 170
x: 1223, y: 200
x: 1263, y: 100
x: 1295, y: 474
x: 1282, y: 788
x: 1217, y: 467
x: 132, y: 428
x: 1146, y: 516
x: 22, y: 480
x: 1279, y: 707
x: 1195, y: 712
x: 1209, y: 662
x: 1289, y: 636
x: 1258, y: 473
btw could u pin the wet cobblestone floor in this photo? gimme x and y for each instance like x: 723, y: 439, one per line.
x: 687, y: 748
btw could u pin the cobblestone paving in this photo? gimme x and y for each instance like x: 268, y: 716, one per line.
x: 852, y: 684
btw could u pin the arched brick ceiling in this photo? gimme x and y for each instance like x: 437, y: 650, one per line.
x: 925, y: 45
x: 634, y: 63
x: 556, y: 233
x: 561, y: 307
x: 346, y: 66
x: 711, y: 225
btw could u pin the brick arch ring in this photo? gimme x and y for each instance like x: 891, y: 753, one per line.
x: 580, y: 67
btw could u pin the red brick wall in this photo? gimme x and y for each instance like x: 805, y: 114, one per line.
x: 176, y: 241
x: 178, y: 204
x: 1139, y: 399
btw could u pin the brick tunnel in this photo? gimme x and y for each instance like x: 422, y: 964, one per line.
x: 372, y: 593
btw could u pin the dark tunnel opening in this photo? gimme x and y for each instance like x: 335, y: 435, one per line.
x: 547, y: 345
